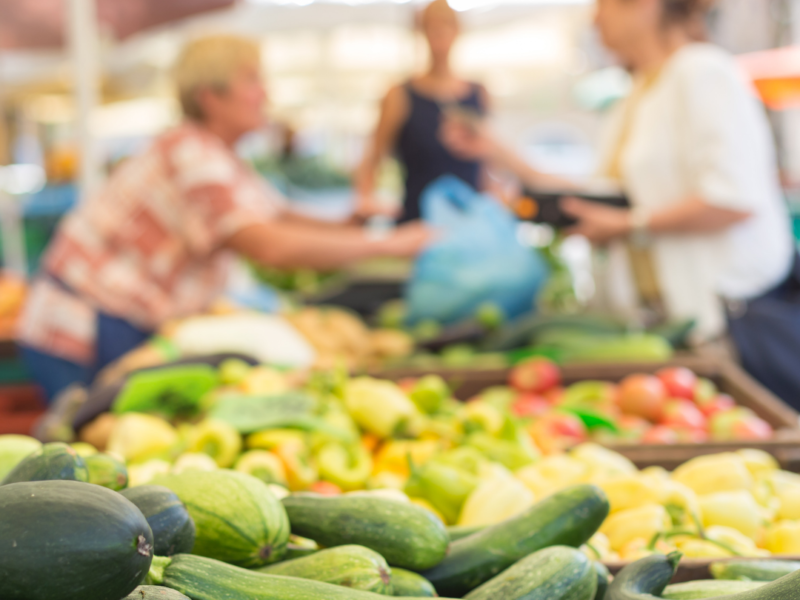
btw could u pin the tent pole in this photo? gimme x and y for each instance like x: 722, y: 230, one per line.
x: 82, y: 33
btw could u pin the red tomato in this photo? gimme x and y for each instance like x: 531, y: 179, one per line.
x: 407, y: 384
x: 719, y: 403
x: 530, y: 405
x: 683, y: 414
x: 536, y: 375
x: 752, y: 429
x: 679, y: 381
x: 660, y: 434
x: 692, y: 436
x: 643, y: 396
x: 556, y: 431
x: 554, y: 395
x: 326, y: 488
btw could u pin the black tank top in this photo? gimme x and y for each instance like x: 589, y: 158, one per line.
x: 424, y: 157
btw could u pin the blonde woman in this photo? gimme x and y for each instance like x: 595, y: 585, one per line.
x: 156, y: 241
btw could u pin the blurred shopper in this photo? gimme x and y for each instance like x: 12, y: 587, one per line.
x: 410, y: 118
x: 156, y: 242
x: 692, y: 149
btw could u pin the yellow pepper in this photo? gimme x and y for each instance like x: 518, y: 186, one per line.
x: 602, y: 463
x: 386, y: 480
x: 634, y: 549
x: 715, y: 473
x: 379, y: 407
x: 482, y: 416
x: 393, y: 455
x: 301, y: 471
x: 640, y: 522
x: 496, y: 499
x: 349, y: 467
x: 736, y: 509
x: 272, y: 438
x: 598, y: 547
x: 789, y: 507
x: 735, y: 540
x: 697, y: 548
x: 784, y: 538
x: 758, y: 462
x: 630, y: 491
x: 264, y: 381
x: 552, y: 473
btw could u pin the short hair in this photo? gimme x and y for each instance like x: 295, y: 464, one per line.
x: 210, y: 62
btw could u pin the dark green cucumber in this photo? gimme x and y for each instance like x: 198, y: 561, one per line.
x: 567, y: 518
x: 405, y: 534
x: 709, y: 588
x: 645, y: 578
x: 458, y: 532
x: 603, y: 580
x: 237, y: 518
x: 348, y: 566
x: 203, y: 578
x: 408, y: 583
x: 556, y: 573
x: 753, y: 569
x: 173, y: 527
x: 50, y: 462
x: 107, y: 471
x: 649, y: 576
x: 66, y: 540
x: 154, y: 592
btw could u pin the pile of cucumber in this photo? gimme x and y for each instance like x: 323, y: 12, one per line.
x: 223, y: 535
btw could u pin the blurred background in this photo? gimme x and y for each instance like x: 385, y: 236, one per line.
x: 328, y: 64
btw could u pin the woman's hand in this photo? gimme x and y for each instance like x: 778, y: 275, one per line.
x: 468, y: 140
x: 598, y: 223
x: 408, y: 240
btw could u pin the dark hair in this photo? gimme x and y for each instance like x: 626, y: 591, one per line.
x: 690, y: 14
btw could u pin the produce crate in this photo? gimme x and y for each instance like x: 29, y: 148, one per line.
x: 692, y: 569
x: 729, y: 377
x: 20, y: 407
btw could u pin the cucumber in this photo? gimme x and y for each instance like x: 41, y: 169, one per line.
x: 556, y: 573
x: 66, y: 540
x: 50, y: 462
x: 348, y: 566
x: 603, y: 580
x: 753, y: 570
x: 406, y: 535
x: 458, y: 532
x: 173, y: 528
x: 203, y: 578
x: 237, y: 518
x: 154, y: 592
x: 408, y: 583
x: 710, y: 588
x: 294, y: 551
x: 645, y: 578
x: 107, y: 471
x: 649, y: 576
x: 567, y: 518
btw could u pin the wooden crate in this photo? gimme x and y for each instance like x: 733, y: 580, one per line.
x: 692, y: 569
x: 729, y: 377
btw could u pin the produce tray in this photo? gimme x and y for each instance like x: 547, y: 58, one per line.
x: 729, y: 377
x: 692, y: 569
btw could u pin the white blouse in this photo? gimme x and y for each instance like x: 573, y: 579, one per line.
x: 700, y: 132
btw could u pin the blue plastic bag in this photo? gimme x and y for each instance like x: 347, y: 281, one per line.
x: 476, y: 259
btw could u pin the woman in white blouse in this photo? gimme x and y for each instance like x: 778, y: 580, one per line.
x: 692, y: 149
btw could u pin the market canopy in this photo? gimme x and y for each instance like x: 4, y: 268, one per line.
x: 40, y: 23
x: 776, y: 76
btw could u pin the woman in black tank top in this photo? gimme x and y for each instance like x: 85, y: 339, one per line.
x: 411, y: 117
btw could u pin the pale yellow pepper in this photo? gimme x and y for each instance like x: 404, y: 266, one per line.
x: 495, y: 499
x: 784, y: 538
x: 393, y: 456
x: 715, y: 473
x: 735, y: 540
x: 602, y: 463
x: 551, y: 474
x: 697, y: 548
x: 641, y: 522
x: 378, y: 406
x: 758, y: 462
x: 736, y: 509
x: 630, y: 491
